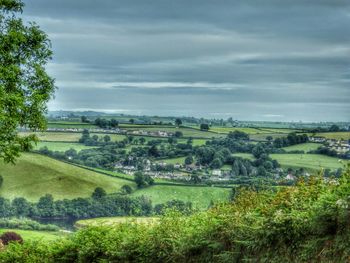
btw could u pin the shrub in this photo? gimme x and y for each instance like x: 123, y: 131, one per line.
x: 8, y: 237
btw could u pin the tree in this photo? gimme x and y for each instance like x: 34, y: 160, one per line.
x: 143, y: 180
x: 21, y: 206
x: 98, y: 193
x: 334, y: 128
x: 178, y: 122
x: 46, y: 206
x: 132, y: 121
x: 189, y: 160
x: 25, y: 87
x: 84, y: 119
x: 204, y: 127
x: 142, y: 140
x: 269, y: 139
x: 178, y: 134
x: 126, y: 189
x: 1, y: 180
x: 107, y: 138
x: 85, y: 136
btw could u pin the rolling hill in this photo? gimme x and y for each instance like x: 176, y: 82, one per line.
x: 35, y: 175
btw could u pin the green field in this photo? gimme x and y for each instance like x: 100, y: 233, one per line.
x: 248, y: 156
x: 33, y: 235
x: 56, y: 136
x: 62, y: 146
x: 231, y: 129
x: 199, y: 196
x: 334, y: 135
x: 70, y: 136
x: 35, y: 175
x: 178, y: 160
x: 303, y: 147
x: 108, y: 221
x: 312, y: 162
x: 69, y: 125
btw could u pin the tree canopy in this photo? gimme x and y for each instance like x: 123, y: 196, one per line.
x: 25, y: 87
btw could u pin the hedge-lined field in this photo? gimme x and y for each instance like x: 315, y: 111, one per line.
x: 303, y: 147
x: 200, y: 196
x: 312, y: 162
x: 62, y: 146
x: 35, y: 175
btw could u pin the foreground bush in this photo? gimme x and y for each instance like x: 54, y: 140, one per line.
x: 8, y: 237
x: 306, y: 223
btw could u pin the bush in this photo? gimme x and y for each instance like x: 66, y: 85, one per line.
x: 8, y: 237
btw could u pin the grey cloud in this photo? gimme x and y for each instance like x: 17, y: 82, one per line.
x: 270, y: 52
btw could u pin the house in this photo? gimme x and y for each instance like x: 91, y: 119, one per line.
x: 217, y: 172
x: 290, y: 177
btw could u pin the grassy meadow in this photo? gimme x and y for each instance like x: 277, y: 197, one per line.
x: 303, y: 147
x: 178, y: 160
x: 199, y: 196
x: 35, y: 175
x: 334, y: 135
x: 312, y: 162
x: 62, y: 146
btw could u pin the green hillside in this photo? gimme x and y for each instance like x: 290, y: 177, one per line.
x: 35, y: 175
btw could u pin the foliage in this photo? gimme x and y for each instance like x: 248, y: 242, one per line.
x: 25, y: 87
x: 304, y: 223
x: 26, y: 224
x: 98, y: 193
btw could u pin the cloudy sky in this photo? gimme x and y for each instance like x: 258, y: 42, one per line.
x: 249, y: 59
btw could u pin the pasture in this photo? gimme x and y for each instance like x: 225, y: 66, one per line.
x: 248, y: 156
x: 303, y: 147
x: 62, y: 146
x: 35, y: 175
x: 70, y: 125
x: 312, y: 162
x: 200, y: 196
x: 178, y: 160
x: 334, y: 135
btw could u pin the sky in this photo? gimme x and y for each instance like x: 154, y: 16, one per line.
x: 267, y: 60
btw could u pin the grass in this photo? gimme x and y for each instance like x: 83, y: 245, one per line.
x: 110, y: 221
x: 248, y: 156
x: 199, y: 196
x: 231, y: 129
x: 62, y: 146
x: 70, y: 136
x: 70, y: 125
x: 303, y: 147
x: 56, y: 136
x: 334, y: 135
x: 33, y: 235
x: 312, y: 162
x: 35, y: 175
x: 178, y: 160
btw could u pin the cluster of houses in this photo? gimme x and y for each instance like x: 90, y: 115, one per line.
x: 151, y: 133
x: 340, y: 146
